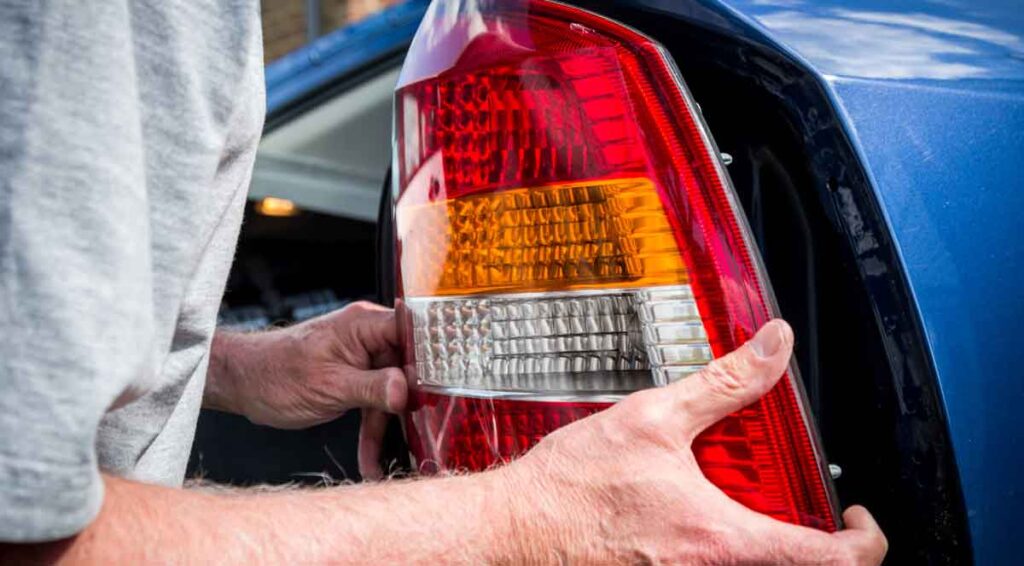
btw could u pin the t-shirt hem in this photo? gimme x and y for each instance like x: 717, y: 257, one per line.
x: 48, y: 508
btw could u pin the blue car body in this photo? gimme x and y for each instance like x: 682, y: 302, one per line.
x: 931, y: 95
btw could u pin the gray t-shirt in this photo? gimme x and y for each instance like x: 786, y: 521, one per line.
x: 127, y: 137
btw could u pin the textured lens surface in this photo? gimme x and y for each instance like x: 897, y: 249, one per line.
x: 478, y: 432
x: 612, y: 342
x: 521, y: 125
x: 565, y: 236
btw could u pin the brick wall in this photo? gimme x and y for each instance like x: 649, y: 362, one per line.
x: 284, y: 21
x: 284, y: 27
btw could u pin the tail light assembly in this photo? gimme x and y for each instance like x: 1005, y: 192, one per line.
x: 566, y: 234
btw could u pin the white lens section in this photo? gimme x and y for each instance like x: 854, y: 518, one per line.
x: 611, y: 342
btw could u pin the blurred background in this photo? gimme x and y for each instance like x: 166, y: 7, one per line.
x: 290, y: 24
x: 307, y: 244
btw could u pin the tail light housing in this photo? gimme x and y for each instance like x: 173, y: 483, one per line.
x: 566, y: 235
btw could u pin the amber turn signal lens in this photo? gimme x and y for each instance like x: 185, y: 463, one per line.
x: 572, y: 236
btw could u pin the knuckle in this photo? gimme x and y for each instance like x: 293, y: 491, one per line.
x: 879, y: 544
x: 361, y: 306
x: 648, y: 424
x: 380, y: 385
x: 640, y: 400
x: 718, y: 548
x: 843, y: 556
x: 643, y: 410
x: 880, y: 541
x: 724, y: 378
x: 371, y: 390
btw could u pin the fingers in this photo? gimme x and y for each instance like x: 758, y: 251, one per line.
x: 734, y: 381
x: 375, y: 326
x: 371, y: 437
x: 362, y: 331
x: 381, y: 389
x: 863, y: 536
x: 391, y: 357
x: 784, y: 543
x: 859, y: 519
x: 861, y: 543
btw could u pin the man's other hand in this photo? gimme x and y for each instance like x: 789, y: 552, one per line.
x: 623, y: 485
x: 313, y: 372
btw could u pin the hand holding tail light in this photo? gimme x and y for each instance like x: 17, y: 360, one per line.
x: 566, y: 236
x: 625, y: 486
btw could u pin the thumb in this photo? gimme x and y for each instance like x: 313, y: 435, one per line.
x: 863, y: 536
x: 736, y: 380
x: 382, y: 389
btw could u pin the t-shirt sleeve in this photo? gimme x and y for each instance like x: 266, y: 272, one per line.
x: 76, y: 297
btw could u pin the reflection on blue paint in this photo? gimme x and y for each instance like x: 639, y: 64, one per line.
x: 900, y: 40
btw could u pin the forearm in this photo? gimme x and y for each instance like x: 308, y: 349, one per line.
x: 452, y: 519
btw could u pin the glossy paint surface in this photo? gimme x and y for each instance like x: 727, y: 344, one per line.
x: 933, y: 96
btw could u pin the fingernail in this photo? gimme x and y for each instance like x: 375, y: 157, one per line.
x: 396, y: 395
x: 767, y: 342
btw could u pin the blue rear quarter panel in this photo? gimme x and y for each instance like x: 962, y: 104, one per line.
x: 932, y: 93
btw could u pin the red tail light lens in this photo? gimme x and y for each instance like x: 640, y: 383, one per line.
x: 566, y: 236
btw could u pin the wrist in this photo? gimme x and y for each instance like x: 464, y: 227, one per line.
x: 219, y: 393
x: 539, y: 523
x: 510, y: 528
x: 237, y: 360
x: 457, y: 519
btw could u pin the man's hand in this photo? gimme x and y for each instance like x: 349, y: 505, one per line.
x: 313, y: 372
x: 624, y: 486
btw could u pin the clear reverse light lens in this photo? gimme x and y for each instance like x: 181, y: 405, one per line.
x: 611, y: 341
